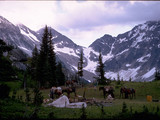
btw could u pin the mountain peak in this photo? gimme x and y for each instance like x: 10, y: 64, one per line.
x: 107, y: 35
x: 4, y: 20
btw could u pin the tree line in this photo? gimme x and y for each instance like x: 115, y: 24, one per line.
x: 42, y: 68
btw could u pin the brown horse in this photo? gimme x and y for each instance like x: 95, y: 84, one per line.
x: 69, y: 90
x: 55, y: 92
x: 107, y: 90
x: 128, y: 92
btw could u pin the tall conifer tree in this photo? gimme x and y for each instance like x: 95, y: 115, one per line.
x: 42, y: 66
x: 7, y: 72
x: 52, y: 62
x: 100, y: 70
x: 46, y: 67
x: 80, y: 65
x: 34, y: 63
x: 60, y: 75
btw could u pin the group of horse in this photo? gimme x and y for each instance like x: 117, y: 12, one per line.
x: 58, y: 91
x: 107, y: 90
x: 127, y: 93
x: 124, y: 92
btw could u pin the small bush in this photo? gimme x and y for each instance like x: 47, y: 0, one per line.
x: 124, y: 108
x: 5, y: 89
x: 14, y: 94
x: 38, y: 98
x: 51, y: 115
x: 84, y: 114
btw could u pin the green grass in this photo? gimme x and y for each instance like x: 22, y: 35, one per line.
x: 93, y: 112
x: 14, y: 85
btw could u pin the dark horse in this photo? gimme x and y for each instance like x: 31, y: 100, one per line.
x: 107, y: 90
x: 55, y: 92
x: 69, y: 90
x: 128, y: 92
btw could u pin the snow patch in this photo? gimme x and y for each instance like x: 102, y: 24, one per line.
x: 149, y: 73
x: 129, y: 34
x: 128, y: 65
x: 135, y: 34
x: 107, y: 57
x: 29, y: 52
x: 103, y: 43
x: 125, y: 74
x: 60, y: 43
x: 77, y: 51
x: 138, y: 39
x: 66, y: 50
x: 152, y: 28
x: 122, y: 52
x: 88, y: 80
x: 91, y: 65
x: 122, y: 40
x: 75, y: 67
x: 54, y: 37
x: 143, y: 27
x: 144, y: 58
x: 29, y: 35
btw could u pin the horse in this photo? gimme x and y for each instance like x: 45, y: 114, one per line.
x: 129, y: 92
x: 57, y: 91
x: 69, y: 90
x: 70, y: 83
x: 107, y: 90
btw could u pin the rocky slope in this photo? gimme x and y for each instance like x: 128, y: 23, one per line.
x: 133, y: 54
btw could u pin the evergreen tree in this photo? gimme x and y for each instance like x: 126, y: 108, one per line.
x: 5, y: 89
x: 83, y: 113
x: 60, y: 75
x: 38, y: 98
x: 118, y: 79
x: 46, y: 67
x: 124, y: 108
x: 157, y: 75
x: 28, y: 99
x: 34, y: 63
x: 100, y: 70
x: 42, y: 67
x: 130, y: 79
x: 102, y: 112
x: 52, y: 62
x: 7, y: 72
x: 4, y: 47
x: 80, y: 65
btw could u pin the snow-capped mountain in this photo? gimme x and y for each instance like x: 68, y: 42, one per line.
x: 133, y: 54
x: 12, y: 35
x: 24, y: 40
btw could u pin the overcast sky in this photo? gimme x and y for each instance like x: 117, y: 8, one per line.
x: 81, y: 21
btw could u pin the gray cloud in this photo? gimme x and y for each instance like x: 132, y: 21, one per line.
x: 122, y: 12
x: 81, y: 21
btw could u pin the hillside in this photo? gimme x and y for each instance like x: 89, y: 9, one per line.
x: 132, y: 54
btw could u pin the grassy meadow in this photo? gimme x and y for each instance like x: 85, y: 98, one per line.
x: 114, y: 110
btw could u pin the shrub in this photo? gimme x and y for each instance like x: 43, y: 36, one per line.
x: 124, y: 108
x: 5, y: 89
x: 38, y: 98
x: 84, y: 114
